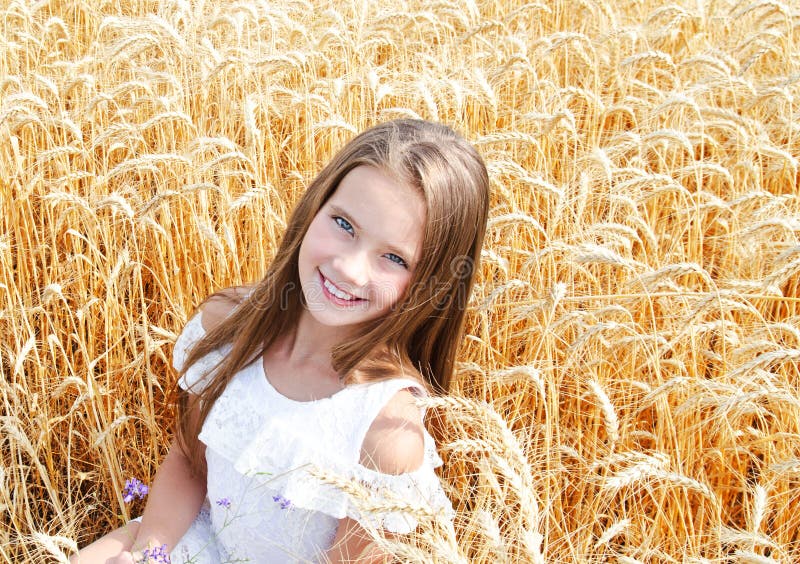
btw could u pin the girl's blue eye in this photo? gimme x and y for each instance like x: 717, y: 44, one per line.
x: 344, y: 224
x: 397, y: 260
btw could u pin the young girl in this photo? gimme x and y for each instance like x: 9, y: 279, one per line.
x: 314, y: 371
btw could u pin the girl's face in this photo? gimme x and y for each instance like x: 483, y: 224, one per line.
x: 359, y: 252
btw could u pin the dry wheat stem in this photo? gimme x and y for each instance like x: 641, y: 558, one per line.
x: 151, y: 152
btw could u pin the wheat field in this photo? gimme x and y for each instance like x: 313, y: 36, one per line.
x: 628, y: 390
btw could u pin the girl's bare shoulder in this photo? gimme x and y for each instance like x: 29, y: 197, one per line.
x: 218, y: 305
x: 394, y: 443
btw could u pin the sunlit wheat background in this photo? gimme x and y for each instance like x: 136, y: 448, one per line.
x: 628, y: 390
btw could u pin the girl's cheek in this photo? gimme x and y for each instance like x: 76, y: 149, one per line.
x: 400, y: 284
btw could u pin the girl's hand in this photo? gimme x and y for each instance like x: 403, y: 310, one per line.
x: 123, y: 557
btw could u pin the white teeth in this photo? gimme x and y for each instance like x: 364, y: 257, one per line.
x: 337, y: 292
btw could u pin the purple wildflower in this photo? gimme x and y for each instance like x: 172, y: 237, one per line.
x: 158, y: 554
x: 134, y: 489
x: 282, y: 501
x: 224, y: 502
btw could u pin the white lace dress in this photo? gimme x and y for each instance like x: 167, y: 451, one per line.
x: 266, y: 502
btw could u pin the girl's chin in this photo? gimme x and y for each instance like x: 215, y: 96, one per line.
x: 332, y: 313
x: 336, y: 322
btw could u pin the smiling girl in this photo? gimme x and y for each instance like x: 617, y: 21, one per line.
x: 318, y: 366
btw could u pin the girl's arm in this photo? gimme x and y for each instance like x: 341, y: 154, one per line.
x: 172, y: 503
x: 174, y: 499
x: 353, y: 544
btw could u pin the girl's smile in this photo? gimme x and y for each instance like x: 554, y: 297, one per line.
x: 359, y: 251
x: 337, y: 295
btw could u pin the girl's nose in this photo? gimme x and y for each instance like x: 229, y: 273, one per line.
x: 353, y: 268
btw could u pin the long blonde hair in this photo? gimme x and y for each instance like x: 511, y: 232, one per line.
x: 421, y: 333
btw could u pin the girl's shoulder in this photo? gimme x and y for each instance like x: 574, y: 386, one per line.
x: 219, y: 305
x: 395, y: 440
x: 210, y: 313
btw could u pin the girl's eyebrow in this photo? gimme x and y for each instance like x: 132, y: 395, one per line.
x: 339, y: 211
x: 405, y: 253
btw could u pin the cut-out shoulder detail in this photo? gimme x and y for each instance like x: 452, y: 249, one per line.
x: 395, y: 441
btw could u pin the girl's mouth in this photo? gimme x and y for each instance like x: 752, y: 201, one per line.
x: 336, y: 295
